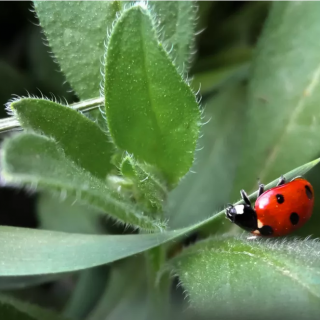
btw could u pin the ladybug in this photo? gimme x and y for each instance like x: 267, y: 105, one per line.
x: 277, y: 211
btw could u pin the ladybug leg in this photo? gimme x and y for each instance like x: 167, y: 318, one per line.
x: 245, y: 198
x: 281, y: 181
x: 261, y: 190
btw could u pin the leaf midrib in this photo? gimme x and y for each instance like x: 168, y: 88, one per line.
x: 266, y: 259
x: 152, y: 109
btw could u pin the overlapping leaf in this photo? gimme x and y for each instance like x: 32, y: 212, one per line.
x: 36, y: 161
x: 81, y: 139
x: 243, y: 279
x: 151, y: 111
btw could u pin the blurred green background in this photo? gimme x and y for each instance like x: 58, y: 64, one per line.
x: 228, y: 32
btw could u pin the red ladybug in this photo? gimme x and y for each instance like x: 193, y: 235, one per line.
x: 277, y: 211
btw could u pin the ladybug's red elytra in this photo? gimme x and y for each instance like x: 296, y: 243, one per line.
x: 277, y: 211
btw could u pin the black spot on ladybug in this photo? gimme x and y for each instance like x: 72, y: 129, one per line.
x: 266, y: 231
x: 294, y: 218
x: 280, y: 198
x: 308, y: 192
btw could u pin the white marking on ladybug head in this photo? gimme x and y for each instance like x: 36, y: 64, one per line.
x: 260, y: 224
x: 256, y: 232
x: 239, y: 209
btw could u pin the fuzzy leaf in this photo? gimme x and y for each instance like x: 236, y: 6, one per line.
x: 208, y: 188
x: 151, y: 111
x: 240, y: 278
x: 26, y: 251
x: 283, y: 119
x: 80, y: 138
x: 77, y: 31
x: 177, y: 22
x: 149, y: 186
x: 36, y: 161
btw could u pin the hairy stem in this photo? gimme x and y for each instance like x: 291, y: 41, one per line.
x: 11, y: 123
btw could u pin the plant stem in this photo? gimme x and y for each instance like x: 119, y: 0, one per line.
x: 159, y: 291
x: 11, y: 123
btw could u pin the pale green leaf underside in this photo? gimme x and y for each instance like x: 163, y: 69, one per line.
x: 81, y: 139
x: 151, y: 111
x: 28, y: 252
x: 177, y: 20
x: 283, y: 119
x: 236, y: 276
x: 77, y: 31
x: 36, y: 161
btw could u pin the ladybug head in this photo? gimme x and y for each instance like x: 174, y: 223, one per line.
x: 243, y: 215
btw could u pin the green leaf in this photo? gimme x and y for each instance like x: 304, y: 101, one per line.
x: 150, y: 188
x: 236, y: 276
x: 282, y: 126
x: 76, y: 31
x: 36, y: 161
x: 151, y: 111
x: 13, y: 309
x: 208, y: 188
x: 177, y: 20
x: 80, y: 138
x: 26, y: 251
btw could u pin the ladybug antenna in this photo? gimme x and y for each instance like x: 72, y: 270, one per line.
x: 245, y: 198
x: 281, y: 181
x: 261, y: 190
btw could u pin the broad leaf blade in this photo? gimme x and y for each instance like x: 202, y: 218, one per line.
x: 208, y: 188
x: 26, y: 251
x: 80, y: 138
x: 29, y: 251
x: 37, y: 161
x: 283, y: 127
x: 151, y: 111
x: 240, y: 278
x: 76, y: 31
x: 177, y: 20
